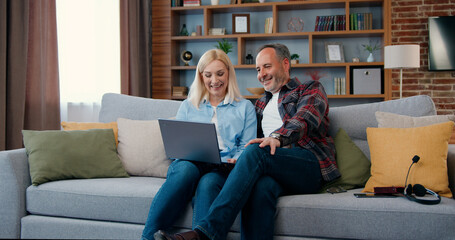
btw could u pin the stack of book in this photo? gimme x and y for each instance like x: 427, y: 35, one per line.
x: 361, y: 21
x: 268, y: 25
x: 191, y: 3
x: 179, y: 91
x: 176, y: 3
x: 217, y: 31
x: 339, y: 86
x: 330, y: 23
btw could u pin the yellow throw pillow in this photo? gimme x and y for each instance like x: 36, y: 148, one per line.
x: 69, y: 126
x: 392, y: 149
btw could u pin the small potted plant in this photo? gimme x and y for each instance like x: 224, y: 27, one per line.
x: 371, y: 49
x: 224, y: 45
x: 295, y: 58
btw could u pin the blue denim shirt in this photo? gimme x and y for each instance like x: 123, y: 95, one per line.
x: 236, y: 123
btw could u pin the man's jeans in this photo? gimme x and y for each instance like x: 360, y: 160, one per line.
x: 183, y: 179
x: 258, y: 174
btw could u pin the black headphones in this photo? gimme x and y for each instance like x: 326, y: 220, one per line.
x: 419, y: 190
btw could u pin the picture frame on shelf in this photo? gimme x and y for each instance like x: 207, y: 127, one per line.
x: 240, y: 23
x: 334, y: 52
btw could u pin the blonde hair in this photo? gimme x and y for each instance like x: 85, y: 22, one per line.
x: 198, y: 90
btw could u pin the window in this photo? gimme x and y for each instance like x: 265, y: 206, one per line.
x: 89, y: 55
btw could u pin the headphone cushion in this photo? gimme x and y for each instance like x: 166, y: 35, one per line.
x: 419, y: 190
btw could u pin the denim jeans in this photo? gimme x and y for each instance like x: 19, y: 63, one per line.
x: 261, y: 178
x: 183, y: 180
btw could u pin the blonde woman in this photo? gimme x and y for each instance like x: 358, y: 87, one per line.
x: 214, y: 97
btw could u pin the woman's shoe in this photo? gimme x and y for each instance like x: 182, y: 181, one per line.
x: 190, y: 235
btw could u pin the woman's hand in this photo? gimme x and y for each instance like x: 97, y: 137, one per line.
x: 268, y: 141
x: 232, y: 160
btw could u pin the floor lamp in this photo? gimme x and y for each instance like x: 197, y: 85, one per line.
x: 401, y: 57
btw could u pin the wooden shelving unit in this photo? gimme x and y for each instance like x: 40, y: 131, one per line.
x: 166, y: 42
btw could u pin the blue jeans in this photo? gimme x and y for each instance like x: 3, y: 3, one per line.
x: 183, y: 181
x: 261, y: 178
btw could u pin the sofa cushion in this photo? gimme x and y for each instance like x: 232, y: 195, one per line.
x: 56, y: 155
x: 108, y: 199
x: 128, y: 200
x: 393, y: 148
x: 354, y: 166
x: 342, y: 216
x: 392, y: 120
x: 141, y: 148
x: 114, y: 106
x: 355, y: 119
x: 70, y: 126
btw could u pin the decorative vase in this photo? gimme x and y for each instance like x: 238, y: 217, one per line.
x: 262, y: 1
x: 370, y: 58
x: 215, y: 2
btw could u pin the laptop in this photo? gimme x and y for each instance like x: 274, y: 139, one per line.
x: 193, y: 141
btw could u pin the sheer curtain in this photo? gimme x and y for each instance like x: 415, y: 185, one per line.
x: 89, y: 56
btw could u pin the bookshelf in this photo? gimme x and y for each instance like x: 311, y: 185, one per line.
x: 167, y: 45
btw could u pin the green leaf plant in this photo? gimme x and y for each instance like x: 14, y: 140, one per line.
x: 224, y: 45
x: 371, y: 48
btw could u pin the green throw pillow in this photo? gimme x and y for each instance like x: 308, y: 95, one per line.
x: 354, y: 166
x: 57, y: 155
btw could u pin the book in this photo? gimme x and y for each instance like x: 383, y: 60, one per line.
x: 268, y: 28
x: 178, y: 91
x: 360, y: 21
x: 339, y: 86
x: 316, y: 24
x: 330, y: 23
x: 343, y: 86
x: 191, y: 3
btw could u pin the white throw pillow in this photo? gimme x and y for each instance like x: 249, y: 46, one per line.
x: 392, y: 120
x: 141, y: 148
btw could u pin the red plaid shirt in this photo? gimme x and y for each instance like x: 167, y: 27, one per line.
x: 304, y: 110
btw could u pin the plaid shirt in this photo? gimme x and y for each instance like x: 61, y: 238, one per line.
x: 304, y: 110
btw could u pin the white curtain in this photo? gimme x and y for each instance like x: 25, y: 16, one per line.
x: 81, y: 112
x: 89, y: 55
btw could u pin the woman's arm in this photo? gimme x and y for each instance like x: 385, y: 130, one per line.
x: 249, y: 131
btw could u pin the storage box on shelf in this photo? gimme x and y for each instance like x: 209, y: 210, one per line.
x: 308, y: 43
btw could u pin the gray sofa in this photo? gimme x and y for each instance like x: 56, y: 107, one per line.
x: 116, y: 208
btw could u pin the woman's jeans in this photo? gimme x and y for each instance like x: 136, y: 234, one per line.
x: 184, y: 179
x: 254, y: 184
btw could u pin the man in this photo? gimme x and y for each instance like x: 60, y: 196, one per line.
x: 294, y: 155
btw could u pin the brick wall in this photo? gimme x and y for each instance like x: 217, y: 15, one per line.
x: 409, y: 26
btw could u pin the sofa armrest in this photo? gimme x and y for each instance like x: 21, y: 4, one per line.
x: 14, y: 180
x: 451, y: 168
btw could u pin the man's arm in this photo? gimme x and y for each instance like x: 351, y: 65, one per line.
x: 311, y: 111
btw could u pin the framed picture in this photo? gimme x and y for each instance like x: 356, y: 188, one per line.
x: 334, y: 52
x: 240, y: 23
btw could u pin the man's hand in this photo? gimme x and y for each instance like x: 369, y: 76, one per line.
x: 268, y: 141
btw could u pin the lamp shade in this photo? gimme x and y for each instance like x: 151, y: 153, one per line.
x: 402, y: 56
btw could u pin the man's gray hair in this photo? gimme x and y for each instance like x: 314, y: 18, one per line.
x: 281, y: 50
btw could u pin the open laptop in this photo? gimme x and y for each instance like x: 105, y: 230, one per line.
x: 191, y: 141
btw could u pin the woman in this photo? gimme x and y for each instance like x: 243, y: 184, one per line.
x: 214, y: 97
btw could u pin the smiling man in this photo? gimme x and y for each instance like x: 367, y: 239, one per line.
x: 293, y: 154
